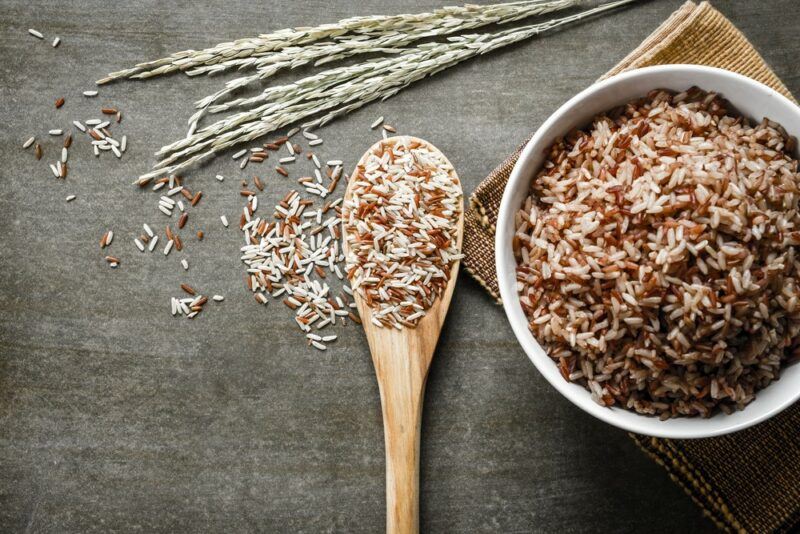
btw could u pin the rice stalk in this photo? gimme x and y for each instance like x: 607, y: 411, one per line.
x: 389, y: 43
x: 270, y: 42
x: 338, y: 91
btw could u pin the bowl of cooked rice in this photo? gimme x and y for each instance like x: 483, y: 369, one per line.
x: 647, y: 256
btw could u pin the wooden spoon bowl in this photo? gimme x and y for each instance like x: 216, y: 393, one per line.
x: 402, y: 359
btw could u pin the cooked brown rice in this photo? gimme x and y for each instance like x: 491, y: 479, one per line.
x: 656, y: 255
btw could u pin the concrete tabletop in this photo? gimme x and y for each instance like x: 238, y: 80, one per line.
x: 117, y: 417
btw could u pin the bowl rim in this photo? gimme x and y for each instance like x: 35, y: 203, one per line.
x: 575, y: 393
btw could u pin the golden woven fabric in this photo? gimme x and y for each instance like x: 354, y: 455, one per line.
x: 745, y: 482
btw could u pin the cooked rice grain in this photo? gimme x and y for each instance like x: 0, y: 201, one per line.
x: 656, y: 255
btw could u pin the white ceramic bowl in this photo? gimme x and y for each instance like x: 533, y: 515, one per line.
x: 754, y: 101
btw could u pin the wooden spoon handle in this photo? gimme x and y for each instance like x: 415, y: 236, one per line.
x: 402, y: 386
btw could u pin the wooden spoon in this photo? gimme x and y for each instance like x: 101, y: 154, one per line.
x: 402, y: 359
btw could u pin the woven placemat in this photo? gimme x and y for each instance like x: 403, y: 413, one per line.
x: 745, y: 482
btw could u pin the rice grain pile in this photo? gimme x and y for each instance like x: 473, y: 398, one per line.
x: 400, y: 228
x: 656, y: 255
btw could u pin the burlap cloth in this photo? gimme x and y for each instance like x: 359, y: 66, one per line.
x: 748, y: 481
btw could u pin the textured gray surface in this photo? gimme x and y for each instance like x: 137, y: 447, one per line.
x: 116, y: 417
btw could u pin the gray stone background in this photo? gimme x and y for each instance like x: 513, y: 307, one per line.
x: 116, y: 417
